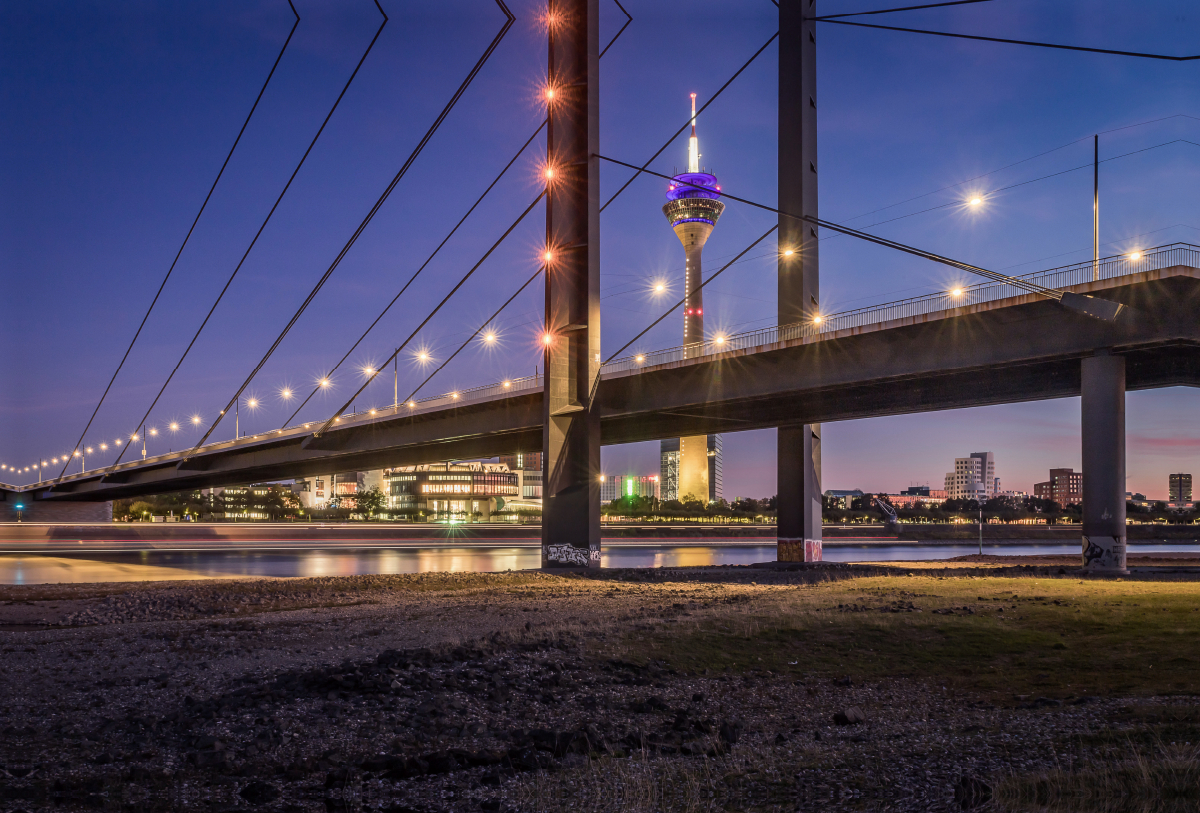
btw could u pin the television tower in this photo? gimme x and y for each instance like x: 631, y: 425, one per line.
x: 692, y: 466
x: 693, y: 208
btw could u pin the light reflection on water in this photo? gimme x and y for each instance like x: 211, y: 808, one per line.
x: 154, y: 565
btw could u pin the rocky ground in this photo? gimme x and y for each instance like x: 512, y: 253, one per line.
x: 518, y: 692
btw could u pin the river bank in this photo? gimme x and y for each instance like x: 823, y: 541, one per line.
x: 15, y: 536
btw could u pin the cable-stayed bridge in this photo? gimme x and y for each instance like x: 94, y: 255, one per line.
x: 1094, y: 329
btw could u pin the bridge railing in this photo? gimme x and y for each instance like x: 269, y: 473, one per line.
x: 510, y: 386
x: 1062, y: 277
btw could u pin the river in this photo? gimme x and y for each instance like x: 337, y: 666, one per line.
x: 153, y: 565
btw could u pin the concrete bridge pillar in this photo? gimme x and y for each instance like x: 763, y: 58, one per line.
x: 1103, y: 433
x: 798, y: 504
x: 571, y: 433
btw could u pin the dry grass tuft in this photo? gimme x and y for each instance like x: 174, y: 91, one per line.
x: 1161, y: 779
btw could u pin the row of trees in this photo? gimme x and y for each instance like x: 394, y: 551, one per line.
x: 690, y: 507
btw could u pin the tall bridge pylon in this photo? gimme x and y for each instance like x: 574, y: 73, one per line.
x: 571, y: 419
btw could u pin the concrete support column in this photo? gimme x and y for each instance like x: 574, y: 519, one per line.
x: 1103, y: 431
x: 799, y: 447
x: 571, y: 427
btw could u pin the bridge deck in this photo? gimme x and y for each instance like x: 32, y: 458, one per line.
x: 710, y: 387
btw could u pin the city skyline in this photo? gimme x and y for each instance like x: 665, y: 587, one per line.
x: 104, y: 170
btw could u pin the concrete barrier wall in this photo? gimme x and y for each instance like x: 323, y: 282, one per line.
x: 45, y: 511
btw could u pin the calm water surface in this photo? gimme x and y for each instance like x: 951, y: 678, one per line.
x: 50, y: 568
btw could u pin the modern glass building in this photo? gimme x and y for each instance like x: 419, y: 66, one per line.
x: 451, y: 491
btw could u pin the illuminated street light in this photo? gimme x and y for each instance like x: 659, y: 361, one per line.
x: 368, y: 370
x: 549, y: 173
x: 507, y: 384
x: 818, y: 319
x: 454, y: 395
x: 195, y: 420
x: 489, y: 337
x: 173, y: 426
x: 719, y: 339
x: 153, y: 432
x: 956, y: 292
x: 548, y: 256
x: 1135, y: 255
x: 788, y: 252
x: 412, y: 404
x: 975, y: 201
x: 324, y: 382
x: 285, y: 394
x: 639, y: 358
x: 547, y: 339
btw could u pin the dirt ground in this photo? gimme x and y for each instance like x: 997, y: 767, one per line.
x: 900, y: 686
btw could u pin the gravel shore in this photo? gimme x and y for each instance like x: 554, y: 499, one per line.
x: 469, y: 692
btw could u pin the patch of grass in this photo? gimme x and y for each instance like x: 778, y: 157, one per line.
x: 1161, y: 778
x: 1055, y: 637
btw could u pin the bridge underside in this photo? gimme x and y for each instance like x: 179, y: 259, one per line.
x: 1023, y: 349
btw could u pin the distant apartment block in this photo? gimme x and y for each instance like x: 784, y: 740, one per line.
x: 1179, y: 490
x: 627, y: 485
x: 1065, y: 487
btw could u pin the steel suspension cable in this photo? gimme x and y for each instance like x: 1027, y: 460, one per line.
x: 509, y: 20
x: 463, y: 346
x: 1026, y: 285
x: 628, y: 20
x: 262, y: 227
x: 1006, y: 41
x: 187, y: 236
x: 432, y: 313
x: 416, y: 273
x: 687, y: 124
x: 672, y: 309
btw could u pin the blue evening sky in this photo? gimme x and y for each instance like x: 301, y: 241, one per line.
x: 118, y: 116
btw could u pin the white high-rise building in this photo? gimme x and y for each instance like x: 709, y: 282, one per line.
x: 973, y: 478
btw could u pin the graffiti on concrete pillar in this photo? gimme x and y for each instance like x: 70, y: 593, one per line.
x: 1104, y: 552
x: 571, y: 555
x: 812, y: 550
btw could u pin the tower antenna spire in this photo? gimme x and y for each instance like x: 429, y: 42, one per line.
x: 693, y: 143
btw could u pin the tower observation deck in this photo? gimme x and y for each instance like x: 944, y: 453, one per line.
x: 691, y: 466
x: 693, y: 212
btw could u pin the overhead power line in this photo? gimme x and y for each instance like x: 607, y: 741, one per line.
x: 187, y: 236
x: 508, y: 21
x: 263, y: 226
